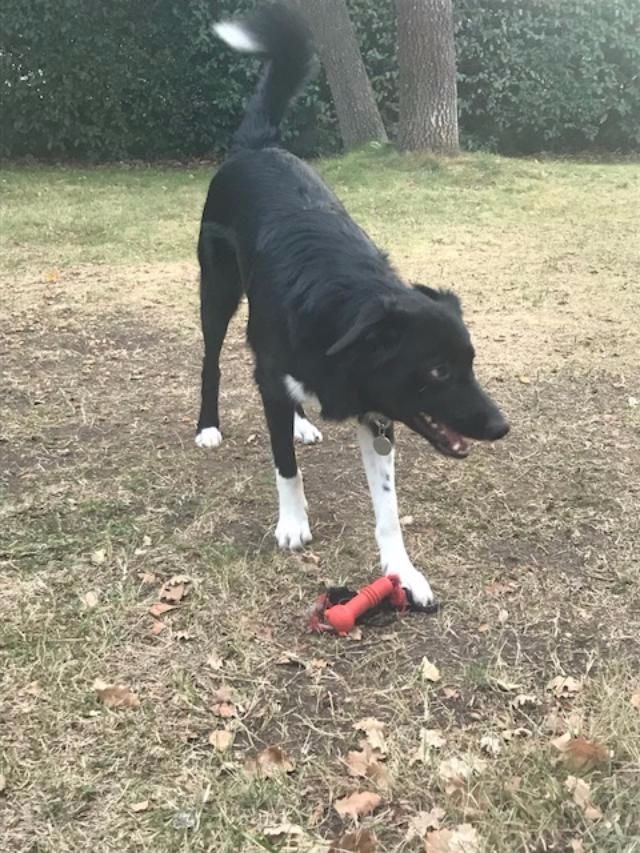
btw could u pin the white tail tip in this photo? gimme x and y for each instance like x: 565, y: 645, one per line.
x: 238, y: 37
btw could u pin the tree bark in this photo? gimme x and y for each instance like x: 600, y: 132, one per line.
x: 427, y: 76
x: 337, y: 45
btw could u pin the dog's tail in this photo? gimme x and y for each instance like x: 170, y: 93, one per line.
x: 282, y: 37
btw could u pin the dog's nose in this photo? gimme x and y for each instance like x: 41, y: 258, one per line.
x: 497, y: 427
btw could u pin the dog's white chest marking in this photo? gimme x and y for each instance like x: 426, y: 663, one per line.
x: 380, y: 471
x: 293, y: 524
x: 298, y: 392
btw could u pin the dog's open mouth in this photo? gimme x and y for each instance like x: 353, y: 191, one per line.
x: 445, y: 440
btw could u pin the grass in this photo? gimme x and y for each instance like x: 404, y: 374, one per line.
x: 533, y: 545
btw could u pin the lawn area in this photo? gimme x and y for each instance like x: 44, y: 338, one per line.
x: 528, y: 734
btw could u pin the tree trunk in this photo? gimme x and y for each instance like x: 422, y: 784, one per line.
x: 427, y: 76
x: 356, y: 108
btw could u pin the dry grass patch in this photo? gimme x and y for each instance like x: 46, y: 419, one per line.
x: 248, y: 735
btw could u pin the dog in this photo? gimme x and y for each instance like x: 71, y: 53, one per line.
x: 329, y: 317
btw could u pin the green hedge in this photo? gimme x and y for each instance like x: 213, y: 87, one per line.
x: 147, y: 79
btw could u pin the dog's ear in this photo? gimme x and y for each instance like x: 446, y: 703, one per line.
x: 446, y: 297
x: 371, y: 316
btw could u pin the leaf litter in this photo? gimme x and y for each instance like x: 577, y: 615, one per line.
x: 271, y: 762
x: 358, y: 804
x: 374, y: 733
x: 115, y: 695
x: 366, y: 765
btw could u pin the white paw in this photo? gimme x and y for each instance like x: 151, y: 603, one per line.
x: 414, y: 582
x: 293, y: 532
x: 304, y: 431
x: 293, y: 524
x: 209, y: 437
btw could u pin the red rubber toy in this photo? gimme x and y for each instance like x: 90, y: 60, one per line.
x: 342, y: 617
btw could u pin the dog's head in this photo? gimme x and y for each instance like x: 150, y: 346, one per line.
x: 414, y: 359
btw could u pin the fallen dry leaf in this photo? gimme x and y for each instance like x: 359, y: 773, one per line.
x: 429, y: 671
x: 509, y: 734
x: 581, y: 791
x: 142, y: 806
x: 504, y: 684
x: 225, y: 710
x: 366, y: 765
x: 175, y: 589
x: 157, y: 628
x: 429, y: 739
x: 98, y: 557
x: 373, y: 730
x: 115, y: 695
x: 462, y: 839
x: 525, y: 380
x: 289, y: 659
x: 183, y: 636
x: 282, y: 830
x: 224, y: 693
x: 147, y: 578
x: 272, y: 761
x: 160, y: 608
x: 360, y: 841
x: 90, y: 599
x: 491, y: 745
x: 53, y: 276
x: 422, y: 822
x: 557, y: 723
x: 310, y: 557
x: 215, y: 661
x: 355, y: 634
x: 576, y: 846
x: 579, y: 754
x: 406, y: 521
x: 455, y: 772
x: 264, y: 634
x: 358, y: 804
x: 524, y: 700
x: 498, y: 588
x: 513, y: 784
x: 450, y: 692
x: 635, y: 699
x: 221, y: 739
x: 564, y: 687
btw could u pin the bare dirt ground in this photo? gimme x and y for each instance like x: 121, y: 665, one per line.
x: 532, y: 545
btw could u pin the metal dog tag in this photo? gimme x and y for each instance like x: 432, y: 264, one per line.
x: 382, y: 445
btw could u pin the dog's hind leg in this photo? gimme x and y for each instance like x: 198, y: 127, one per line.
x: 292, y: 530
x: 379, y: 468
x: 220, y: 292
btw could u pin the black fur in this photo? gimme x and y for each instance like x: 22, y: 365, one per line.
x: 326, y: 306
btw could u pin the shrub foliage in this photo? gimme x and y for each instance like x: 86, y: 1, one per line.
x: 147, y: 79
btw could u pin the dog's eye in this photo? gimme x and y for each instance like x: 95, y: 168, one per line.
x: 440, y: 373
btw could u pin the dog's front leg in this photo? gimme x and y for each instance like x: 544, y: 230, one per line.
x: 379, y: 467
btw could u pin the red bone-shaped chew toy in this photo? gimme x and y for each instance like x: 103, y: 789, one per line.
x: 342, y: 617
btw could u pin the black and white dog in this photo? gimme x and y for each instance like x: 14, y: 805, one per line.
x: 329, y: 318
